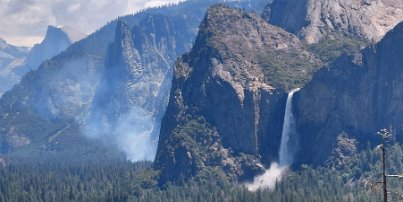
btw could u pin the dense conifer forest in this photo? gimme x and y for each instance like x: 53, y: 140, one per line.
x: 353, y: 179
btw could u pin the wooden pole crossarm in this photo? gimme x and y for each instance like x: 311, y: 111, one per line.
x: 398, y: 176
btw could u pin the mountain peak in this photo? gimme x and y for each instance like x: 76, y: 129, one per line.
x: 238, y: 36
x: 54, y: 34
x: 55, y: 41
x: 122, y: 52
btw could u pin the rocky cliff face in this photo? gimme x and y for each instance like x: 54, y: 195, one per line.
x: 226, y: 104
x: 134, y: 90
x: 123, y: 67
x: 60, y: 94
x: 312, y: 20
x: 356, y: 95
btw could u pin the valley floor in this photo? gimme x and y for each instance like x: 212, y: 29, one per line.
x: 116, y: 180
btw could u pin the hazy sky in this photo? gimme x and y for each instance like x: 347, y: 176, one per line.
x: 24, y: 22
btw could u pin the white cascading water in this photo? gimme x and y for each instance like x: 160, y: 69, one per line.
x: 286, y: 153
x: 287, y: 146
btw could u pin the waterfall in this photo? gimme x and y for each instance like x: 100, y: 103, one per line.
x: 288, y: 143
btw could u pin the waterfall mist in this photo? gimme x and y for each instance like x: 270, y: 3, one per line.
x: 288, y: 145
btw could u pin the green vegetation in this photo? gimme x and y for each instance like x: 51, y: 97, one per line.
x: 70, y: 181
x: 287, y: 70
x: 330, y: 48
x: 48, y: 139
x: 109, y: 180
x: 190, y: 146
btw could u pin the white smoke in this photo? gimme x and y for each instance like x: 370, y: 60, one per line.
x: 133, y: 133
x: 269, y: 179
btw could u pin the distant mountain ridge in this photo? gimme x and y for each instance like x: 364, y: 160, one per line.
x: 56, y: 40
x: 10, y: 50
x: 10, y: 57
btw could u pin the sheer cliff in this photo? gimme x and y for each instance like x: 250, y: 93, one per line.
x: 354, y: 96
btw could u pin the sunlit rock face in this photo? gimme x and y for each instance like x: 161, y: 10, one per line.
x: 313, y: 20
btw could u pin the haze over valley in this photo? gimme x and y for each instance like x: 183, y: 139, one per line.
x: 217, y: 100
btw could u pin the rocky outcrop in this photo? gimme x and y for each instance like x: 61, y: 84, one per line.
x: 312, y: 20
x: 230, y: 87
x: 124, y: 67
x: 356, y: 95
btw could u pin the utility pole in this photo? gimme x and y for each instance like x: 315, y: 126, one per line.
x: 385, y: 191
x: 384, y: 134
